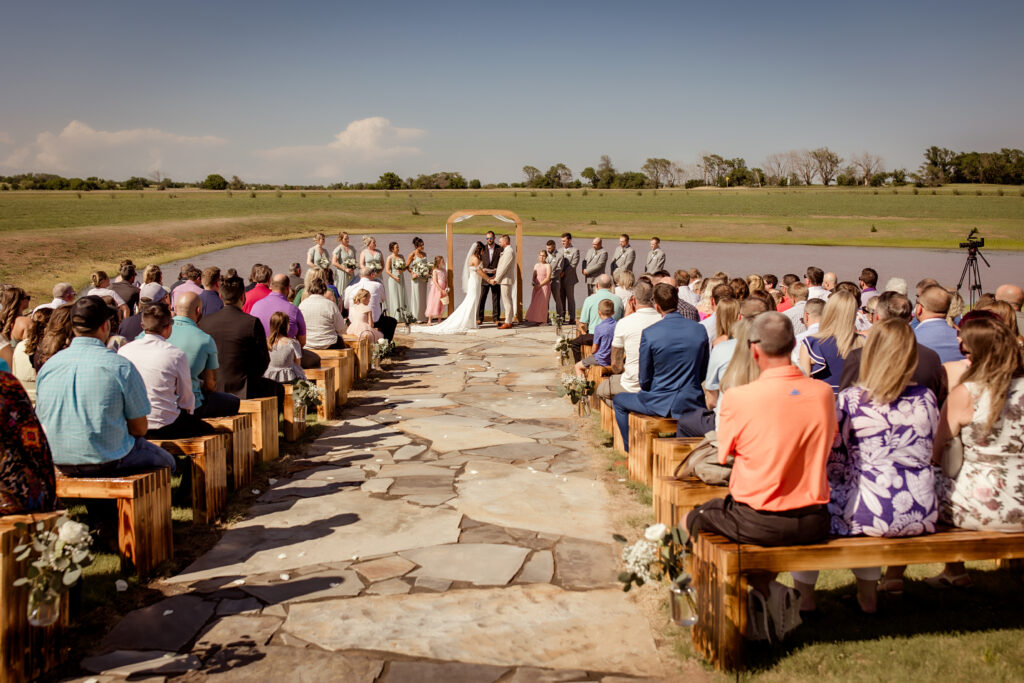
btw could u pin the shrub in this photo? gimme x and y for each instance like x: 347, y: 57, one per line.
x: 999, y: 192
x: 252, y: 195
x: 415, y: 211
x: 533, y: 218
x: 113, y: 196
x: 278, y: 194
x: 593, y: 222
x: 228, y: 193
x: 874, y: 229
x: 789, y: 228
x: 584, y: 192
x: 895, y: 192
x: 956, y: 191
x: 934, y: 192
x: 568, y: 194
x: 302, y: 194
x: 874, y: 191
x: 78, y: 194
x: 915, y: 190
x: 533, y: 194
x: 639, y: 193
x: 977, y: 192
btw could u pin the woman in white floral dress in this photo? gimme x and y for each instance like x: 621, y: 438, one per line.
x: 880, y: 472
x: 987, y: 411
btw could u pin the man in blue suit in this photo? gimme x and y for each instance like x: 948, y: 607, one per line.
x: 932, y: 330
x: 673, y: 361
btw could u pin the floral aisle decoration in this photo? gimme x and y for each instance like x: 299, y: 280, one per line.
x: 381, y: 350
x: 405, y: 316
x: 659, y: 556
x: 306, y: 396
x: 577, y: 388
x: 563, y: 349
x: 557, y: 321
x: 57, y: 557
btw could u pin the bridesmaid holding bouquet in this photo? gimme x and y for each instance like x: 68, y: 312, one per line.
x: 438, y: 291
x: 418, y: 284
x: 394, y: 283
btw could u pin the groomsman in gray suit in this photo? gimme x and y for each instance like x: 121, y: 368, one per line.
x: 624, y: 256
x: 656, y: 257
x: 568, y: 260
x: 594, y: 263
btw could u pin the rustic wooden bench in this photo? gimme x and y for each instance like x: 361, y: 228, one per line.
x: 294, y: 417
x: 607, y: 418
x: 643, y: 430
x: 344, y: 361
x: 208, y: 462
x: 674, y: 497
x: 264, y: 426
x: 143, y: 513
x: 361, y: 347
x: 326, y: 378
x: 241, y: 453
x: 722, y: 587
x: 26, y: 652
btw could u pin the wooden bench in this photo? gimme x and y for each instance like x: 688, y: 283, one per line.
x: 643, y: 430
x: 294, y: 417
x: 361, y: 347
x: 344, y: 361
x: 264, y: 426
x: 143, y: 513
x: 241, y: 453
x: 326, y: 378
x: 597, y: 374
x: 607, y: 418
x: 722, y: 589
x: 27, y: 652
x: 208, y: 462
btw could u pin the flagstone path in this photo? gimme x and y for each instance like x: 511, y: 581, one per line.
x: 452, y: 527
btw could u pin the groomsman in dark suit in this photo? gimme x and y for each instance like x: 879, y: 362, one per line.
x: 492, y: 252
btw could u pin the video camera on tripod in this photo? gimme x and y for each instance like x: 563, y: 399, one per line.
x: 972, y: 243
x: 971, y: 271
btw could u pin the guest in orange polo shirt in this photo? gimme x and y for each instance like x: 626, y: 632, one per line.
x: 779, y: 428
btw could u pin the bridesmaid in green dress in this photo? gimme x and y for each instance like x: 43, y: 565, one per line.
x: 418, y: 285
x: 394, y: 283
x: 342, y: 275
x: 370, y: 257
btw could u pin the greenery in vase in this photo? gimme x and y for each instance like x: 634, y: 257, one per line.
x: 563, y: 349
x: 307, y: 393
x: 576, y: 387
x: 555, y: 319
x: 59, y: 555
x: 404, y: 315
x: 659, y: 555
x: 383, y: 349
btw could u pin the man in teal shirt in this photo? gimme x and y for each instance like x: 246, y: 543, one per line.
x: 589, y: 317
x: 92, y: 403
x: 201, y: 351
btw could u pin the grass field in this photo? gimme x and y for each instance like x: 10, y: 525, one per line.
x: 50, y: 236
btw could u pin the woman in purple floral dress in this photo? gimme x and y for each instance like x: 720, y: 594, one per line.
x: 880, y: 472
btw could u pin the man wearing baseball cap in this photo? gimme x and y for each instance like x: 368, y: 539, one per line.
x: 150, y: 293
x: 92, y: 403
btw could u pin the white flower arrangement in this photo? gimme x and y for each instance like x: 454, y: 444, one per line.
x: 562, y: 348
x: 383, y: 349
x: 398, y: 264
x: 660, y: 554
x: 576, y: 387
x: 60, y: 554
x: 349, y: 262
x: 421, y: 269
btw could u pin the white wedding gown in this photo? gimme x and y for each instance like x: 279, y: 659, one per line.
x: 463, y: 318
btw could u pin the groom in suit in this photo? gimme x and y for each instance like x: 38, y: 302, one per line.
x: 489, y: 262
x: 505, y: 277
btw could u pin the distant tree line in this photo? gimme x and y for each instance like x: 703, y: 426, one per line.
x: 795, y: 167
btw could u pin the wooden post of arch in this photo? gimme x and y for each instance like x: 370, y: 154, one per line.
x: 449, y: 235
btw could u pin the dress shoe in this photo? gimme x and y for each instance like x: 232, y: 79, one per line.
x: 506, y: 326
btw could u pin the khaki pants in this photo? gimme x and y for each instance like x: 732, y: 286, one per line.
x: 506, y: 303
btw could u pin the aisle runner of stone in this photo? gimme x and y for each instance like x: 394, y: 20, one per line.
x: 450, y: 528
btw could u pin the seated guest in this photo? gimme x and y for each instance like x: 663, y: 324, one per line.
x: 815, y: 279
x: 813, y: 309
x: 101, y: 288
x: 302, y: 293
x: 165, y: 371
x: 932, y: 329
x: 63, y: 293
x: 588, y: 314
x: 726, y: 315
x: 56, y: 336
x: 798, y: 298
x: 92, y: 403
x: 285, y: 352
x: 210, y: 295
x: 1004, y: 311
x: 778, y: 491
x: 193, y: 277
x: 361, y: 316
x: 823, y: 354
x: 21, y: 366
x: 182, y: 278
x: 868, y: 280
x: 368, y: 281
x: 896, y: 284
x: 14, y: 319
x: 324, y: 324
x: 201, y: 351
x: 626, y: 343
x: 260, y: 288
x: 673, y: 361
x: 26, y: 466
x: 1013, y: 295
x: 710, y: 323
x: 603, y: 333
x: 686, y: 293
x: 624, y: 281
x: 788, y: 280
x: 928, y: 372
x: 880, y: 469
x: 278, y: 300
x: 295, y: 280
x: 152, y: 273
x: 740, y: 288
x: 126, y: 287
x: 683, y: 308
x: 721, y: 356
x: 149, y: 293
x: 241, y: 346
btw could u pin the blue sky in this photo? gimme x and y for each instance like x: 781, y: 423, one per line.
x: 325, y: 92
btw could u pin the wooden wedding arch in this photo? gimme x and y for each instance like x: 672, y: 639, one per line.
x: 449, y: 235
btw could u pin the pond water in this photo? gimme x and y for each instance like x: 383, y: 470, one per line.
x: 945, y: 265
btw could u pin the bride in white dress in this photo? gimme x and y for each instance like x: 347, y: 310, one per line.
x: 463, y: 319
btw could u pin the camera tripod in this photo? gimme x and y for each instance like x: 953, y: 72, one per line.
x: 972, y: 274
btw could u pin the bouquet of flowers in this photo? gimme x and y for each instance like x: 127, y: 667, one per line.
x: 306, y: 393
x: 576, y: 387
x: 563, y: 349
x: 349, y: 262
x: 398, y: 264
x: 421, y: 269
x: 60, y: 554
x: 383, y: 349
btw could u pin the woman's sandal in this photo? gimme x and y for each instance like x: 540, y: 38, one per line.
x: 891, y: 586
x: 944, y: 581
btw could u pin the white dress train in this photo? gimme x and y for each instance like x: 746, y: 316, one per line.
x: 463, y: 318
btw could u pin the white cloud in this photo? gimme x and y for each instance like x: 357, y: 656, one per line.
x: 80, y: 149
x: 5, y: 139
x: 360, y: 148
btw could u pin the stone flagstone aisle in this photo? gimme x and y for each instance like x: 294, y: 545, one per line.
x: 450, y: 528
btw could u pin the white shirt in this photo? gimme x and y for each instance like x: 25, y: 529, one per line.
x: 323, y: 321
x: 689, y: 296
x: 795, y: 356
x: 709, y: 327
x: 166, y: 374
x: 815, y: 292
x: 55, y: 304
x: 103, y: 291
x: 796, y: 315
x: 376, y: 290
x: 718, y: 363
x: 623, y: 294
x: 627, y: 337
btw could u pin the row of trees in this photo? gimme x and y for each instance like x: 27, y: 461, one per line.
x: 795, y: 167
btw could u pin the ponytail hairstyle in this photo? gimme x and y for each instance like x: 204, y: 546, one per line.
x: 279, y: 323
